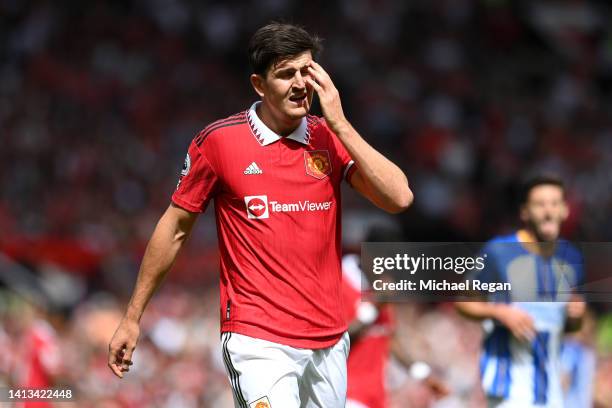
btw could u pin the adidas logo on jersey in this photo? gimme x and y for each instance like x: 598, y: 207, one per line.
x: 253, y: 169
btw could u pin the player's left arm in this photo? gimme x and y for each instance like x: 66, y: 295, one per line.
x: 376, y: 178
x: 575, y: 311
x: 576, y: 306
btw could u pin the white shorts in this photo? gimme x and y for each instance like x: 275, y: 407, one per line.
x: 261, y: 372
x: 354, y: 404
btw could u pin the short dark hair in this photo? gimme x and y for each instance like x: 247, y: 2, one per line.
x: 278, y: 41
x: 539, y: 180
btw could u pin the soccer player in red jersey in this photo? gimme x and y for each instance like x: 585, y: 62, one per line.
x: 41, y: 358
x: 274, y: 173
x: 372, y: 327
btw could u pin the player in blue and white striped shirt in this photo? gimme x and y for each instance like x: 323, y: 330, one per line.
x: 520, y: 362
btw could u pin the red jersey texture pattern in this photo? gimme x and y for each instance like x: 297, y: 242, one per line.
x: 277, y: 205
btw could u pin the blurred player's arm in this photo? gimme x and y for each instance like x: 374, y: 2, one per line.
x: 575, y: 311
x: 376, y: 178
x: 169, y: 236
x: 516, y: 320
x: 418, y: 370
x: 367, y: 313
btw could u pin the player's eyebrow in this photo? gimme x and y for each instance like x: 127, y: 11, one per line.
x: 281, y: 70
x: 284, y: 70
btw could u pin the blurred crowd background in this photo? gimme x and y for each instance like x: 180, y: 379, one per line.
x: 100, y: 99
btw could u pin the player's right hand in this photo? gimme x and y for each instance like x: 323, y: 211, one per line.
x: 519, y: 322
x: 122, y: 346
x: 437, y: 386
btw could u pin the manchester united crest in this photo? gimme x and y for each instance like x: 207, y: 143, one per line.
x: 263, y: 402
x: 318, y: 164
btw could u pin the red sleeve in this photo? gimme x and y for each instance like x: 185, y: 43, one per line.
x: 198, y: 181
x: 347, y: 163
x: 387, y: 316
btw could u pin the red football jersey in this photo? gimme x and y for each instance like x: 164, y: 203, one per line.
x: 367, y: 362
x: 42, y: 359
x: 277, y: 205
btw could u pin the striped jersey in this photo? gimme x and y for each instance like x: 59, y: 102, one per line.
x: 527, y: 374
x: 277, y: 208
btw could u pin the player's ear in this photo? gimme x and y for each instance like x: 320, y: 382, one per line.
x: 564, y: 210
x: 258, y: 84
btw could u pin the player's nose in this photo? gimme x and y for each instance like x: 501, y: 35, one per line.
x: 299, y: 82
x: 550, y: 208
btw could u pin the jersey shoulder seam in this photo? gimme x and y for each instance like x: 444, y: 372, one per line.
x: 213, y: 128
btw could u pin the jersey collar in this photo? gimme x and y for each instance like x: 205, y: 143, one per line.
x: 266, y: 136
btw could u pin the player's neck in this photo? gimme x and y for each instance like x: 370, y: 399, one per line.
x: 277, y: 125
x: 530, y: 242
